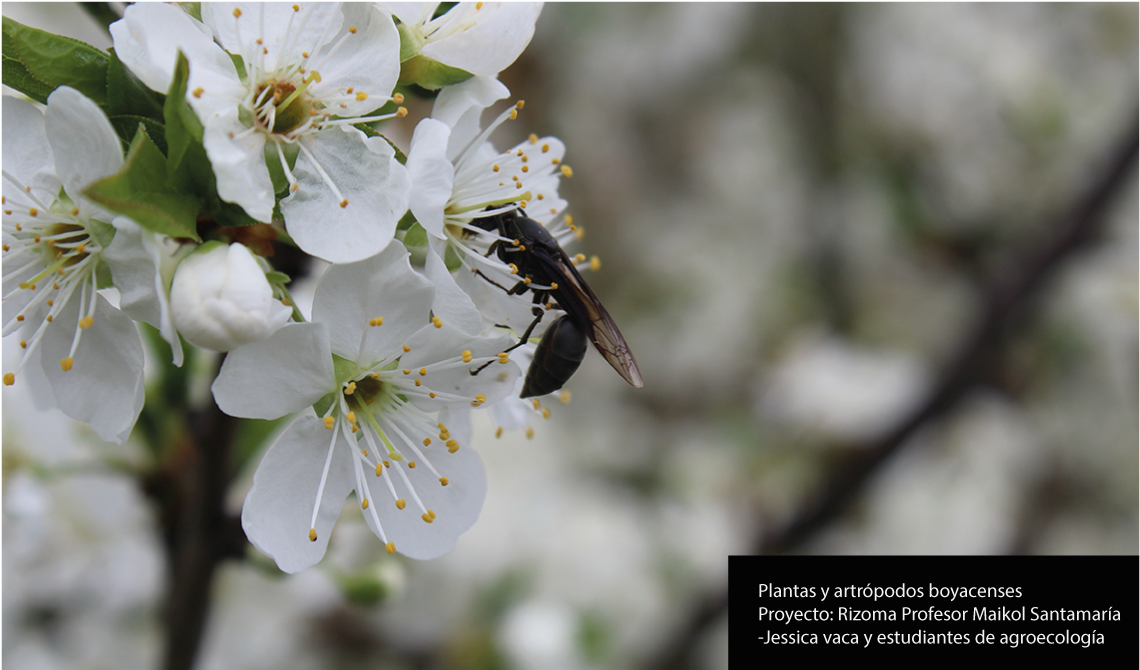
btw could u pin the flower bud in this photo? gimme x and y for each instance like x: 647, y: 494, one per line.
x: 220, y: 298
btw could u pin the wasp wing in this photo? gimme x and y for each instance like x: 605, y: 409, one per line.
x: 575, y: 298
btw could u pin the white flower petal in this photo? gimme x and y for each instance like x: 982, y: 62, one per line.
x: 432, y: 174
x: 460, y: 107
x: 513, y: 311
x: 27, y: 153
x: 84, y: 144
x: 278, y: 509
x: 348, y: 297
x: 452, y: 304
x: 238, y: 159
x: 275, y: 27
x: 368, y: 61
x: 147, y: 40
x: 410, y: 13
x: 500, y: 32
x: 104, y: 387
x: 456, y: 505
x: 134, y: 260
x: 274, y: 377
x: 371, y: 180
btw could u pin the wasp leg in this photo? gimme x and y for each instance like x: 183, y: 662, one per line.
x: 492, y: 281
x: 538, y: 314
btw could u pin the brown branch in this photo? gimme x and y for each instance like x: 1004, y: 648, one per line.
x: 1003, y: 300
x: 199, y: 532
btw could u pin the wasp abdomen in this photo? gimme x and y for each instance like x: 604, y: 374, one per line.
x: 559, y: 353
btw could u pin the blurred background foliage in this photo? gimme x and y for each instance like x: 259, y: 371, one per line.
x: 798, y: 209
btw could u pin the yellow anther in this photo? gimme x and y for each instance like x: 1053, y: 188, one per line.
x: 555, y: 161
x: 532, y: 138
x: 9, y: 379
x: 407, y: 372
x: 514, y: 114
x: 329, y: 422
x: 352, y: 29
x: 443, y: 481
x: 423, y: 372
x: 595, y: 263
x: 390, y: 547
x: 296, y: 8
x: 553, y: 286
x: 286, y: 302
x: 545, y: 148
x: 427, y: 517
x: 427, y: 441
x: 579, y: 233
x: 312, y: 531
x: 349, y: 389
x: 519, y: 152
x: 564, y: 397
x: 364, y: 452
x: 86, y: 322
x: 364, y: 504
x: 494, y: 168
x: 377, y: 321
x: 432, y: 513
x: 418, y: 382
x: 444, y: 435
x: 355, y: 429
x: 407, y: 348
x: 437, y: 322
x: 480, y: 397
x: 401, y: 112
x: 431, y: 394
x: 545, y: 412
x: 351, y: 416
x: 526, y: 280
x: 504, y: 358
x: 197, y: 93
x: 66, y: 363
x: 478, y: 6
x: 567, y: 172
x: 33, y: 211
x: 522, y: 203
x: 237, y: 14
x: 520, y: 104
x: 452, y: 446
x: 579, y: 258
x: 529, y: 433
x: 379, y: 469
x: 467, y: 356
x: 386, y: 464
x: 344, y: 203
x: 411, y: 465
x: 5, y: 247
x: 49, y: 316
x: 375, y: 375
x: 499, y: 431
x: 518, y: 185
x: 74, y: 211
x: 401, y: 503
x: 23, y: 344
x: 514, y: 269
x: 398, y: 98
x: 526, y: 168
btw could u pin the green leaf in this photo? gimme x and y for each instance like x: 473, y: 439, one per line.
x: 140, y: 191
x: 127, y: 96
x: 430, y: 74
x: 183, y: 128
x: 36, y: 62
x: 127, y: 125
x: 369, y: 131
x: 406, y: 221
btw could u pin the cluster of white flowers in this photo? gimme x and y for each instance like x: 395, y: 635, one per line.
x: 289, y: 97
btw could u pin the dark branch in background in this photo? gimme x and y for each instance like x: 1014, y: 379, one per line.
x: 103, y: 13
x: 190, y: 493
x: 1003, y: 299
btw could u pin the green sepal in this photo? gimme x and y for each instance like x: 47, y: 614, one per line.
x: 369, y: 131
x: 36, y: 62
x: 139, y: 191
x: 278, y: 278
x: 430, y: 74
x: 321, y: 406
x: 273, y: 162
x: 343, y: 368
x: 128, y: 96
x: 206, y: 247
x: 406, y: 221
x: 411, y: 42
x: 103, y: 233
x: 451, y: 259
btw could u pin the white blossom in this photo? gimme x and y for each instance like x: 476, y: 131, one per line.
x: 384, y: 379
x: 309, y: 71
x: 82, y: 354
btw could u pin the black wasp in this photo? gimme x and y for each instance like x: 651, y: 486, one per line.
x: 540, y: 260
